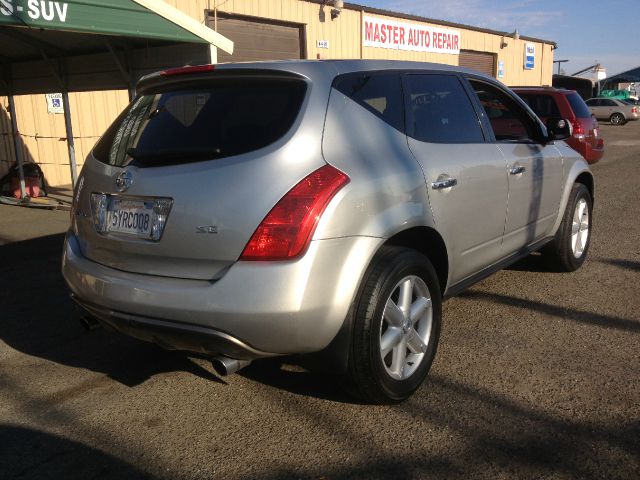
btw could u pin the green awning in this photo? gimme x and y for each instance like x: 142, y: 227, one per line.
x: 49, y: 46
x: 128, y: 18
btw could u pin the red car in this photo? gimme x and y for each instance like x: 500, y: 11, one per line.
x: 557, y: 102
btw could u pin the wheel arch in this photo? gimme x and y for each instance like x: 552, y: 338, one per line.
x: 621, y: 113
x: 586, y: 179
x: 427, y: 241
x: 578, y: 173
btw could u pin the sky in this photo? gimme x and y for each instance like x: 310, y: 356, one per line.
x: 586, y: 31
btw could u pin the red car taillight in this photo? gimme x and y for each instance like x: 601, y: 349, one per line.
x: 578, y: 131
x: 286, y: 231
x: 634, y: 110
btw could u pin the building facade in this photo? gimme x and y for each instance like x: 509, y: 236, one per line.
x: 283, y: 29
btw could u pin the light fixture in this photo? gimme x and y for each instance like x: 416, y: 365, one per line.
x: 503, y: 41
x: 338, y: 5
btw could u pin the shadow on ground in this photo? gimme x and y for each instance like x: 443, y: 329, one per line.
x: 624, y: 264
x: 39, y: 319
x: 26, y: 453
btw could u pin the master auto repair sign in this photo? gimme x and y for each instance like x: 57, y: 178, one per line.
x: 381, y: 33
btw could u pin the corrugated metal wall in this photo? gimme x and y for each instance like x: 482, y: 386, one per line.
x: 43, y: 134
x: 92, y: 112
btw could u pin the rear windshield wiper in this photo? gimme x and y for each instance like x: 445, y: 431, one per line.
x: 173, y: 154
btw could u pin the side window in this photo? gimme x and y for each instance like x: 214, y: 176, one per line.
x: 544, y: 106
x: 380, y: 94
x: 592, y: 102
x: 440, y: 111
x: 509, y: 121
x: 608, y: 103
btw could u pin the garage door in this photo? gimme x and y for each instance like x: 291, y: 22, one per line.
x: 481, y: 61
x: 257, y: 39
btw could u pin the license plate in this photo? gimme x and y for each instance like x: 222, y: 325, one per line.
x: 132, y: 217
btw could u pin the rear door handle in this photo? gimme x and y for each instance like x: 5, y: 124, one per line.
x: 517, y: 169
x: 445, y: 183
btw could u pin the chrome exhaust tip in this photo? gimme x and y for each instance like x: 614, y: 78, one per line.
x: 226, y: 366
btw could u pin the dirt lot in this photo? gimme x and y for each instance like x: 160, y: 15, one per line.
x: 537, y: 376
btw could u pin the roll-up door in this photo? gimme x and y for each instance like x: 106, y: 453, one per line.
x: 481, y: 61
x: 258, y: 39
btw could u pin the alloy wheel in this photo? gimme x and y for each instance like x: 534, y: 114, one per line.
x: 580, y: 228
x: 406, y: 327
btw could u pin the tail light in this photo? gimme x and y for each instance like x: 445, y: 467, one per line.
x: 187, y: 70
x: 286, y: 231
x: 578, y: 131
x: 634, y: 110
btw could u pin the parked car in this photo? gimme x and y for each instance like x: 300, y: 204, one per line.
x: 616, y: 111
x: 548, y: 102
x: 261, y: 209
x: 631, y: 101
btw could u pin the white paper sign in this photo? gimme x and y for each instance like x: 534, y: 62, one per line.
x: 54, y: 103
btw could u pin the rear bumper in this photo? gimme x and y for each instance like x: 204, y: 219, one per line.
x: 592, y: 151
x: 256, y: 309
x: 172, y: 335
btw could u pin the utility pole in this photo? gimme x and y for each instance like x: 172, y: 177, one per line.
x: 559, y: 62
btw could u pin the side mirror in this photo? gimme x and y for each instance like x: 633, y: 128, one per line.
x: 558, y: 129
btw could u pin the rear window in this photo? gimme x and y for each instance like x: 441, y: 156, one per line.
x: 578, y: 106
x: 224, y: 117
x: 380, y: 94
x: 544, y: 106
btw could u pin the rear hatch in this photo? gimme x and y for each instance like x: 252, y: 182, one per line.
x: 184, y: 176
x: 585, y: 125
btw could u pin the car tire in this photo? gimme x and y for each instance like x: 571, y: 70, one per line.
x: 568, y: 250
x: 617, y: 119
x: 392, y: 352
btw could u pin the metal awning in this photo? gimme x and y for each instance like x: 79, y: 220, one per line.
x: 83, y: 45
x: 630, y: 76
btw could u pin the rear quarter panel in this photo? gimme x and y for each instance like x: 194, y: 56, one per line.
x: 387, y: 190
x: 574, y: 166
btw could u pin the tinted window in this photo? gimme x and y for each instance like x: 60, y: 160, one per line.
x: 593, y: 102
x: 509, y: 121
x: 380, y: 94
x: 605, y: 102
x: 578, y: 106
x: 543, y: 105
x: 439, y: 110
x: 218, y: 119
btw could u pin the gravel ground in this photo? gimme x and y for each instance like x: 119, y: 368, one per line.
x: 537, y: 376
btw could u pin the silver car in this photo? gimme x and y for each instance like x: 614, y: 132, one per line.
x: 317, y: 207
x: 616, y: 111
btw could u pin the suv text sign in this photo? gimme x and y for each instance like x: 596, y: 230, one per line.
x: 381, y: 33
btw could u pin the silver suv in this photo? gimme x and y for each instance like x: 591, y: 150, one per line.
x: 326, y: 207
